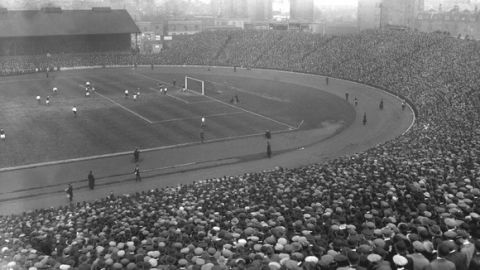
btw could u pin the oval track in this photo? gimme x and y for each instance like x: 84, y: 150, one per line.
x: 180, y: 165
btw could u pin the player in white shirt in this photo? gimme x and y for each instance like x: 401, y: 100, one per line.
x: 47, y: 101
x: 126, y: 93
x: 55, y: 90
x: 74, y: 110
x: 203, y: 122
x: 2, y: 134
x: 39, y: 99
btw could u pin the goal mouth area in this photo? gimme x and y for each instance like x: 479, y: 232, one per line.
x: 195, y: 85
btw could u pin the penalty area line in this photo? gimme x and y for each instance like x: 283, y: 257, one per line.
x: 250, y: 112
x: 125, y: 108
x: 168, y: 95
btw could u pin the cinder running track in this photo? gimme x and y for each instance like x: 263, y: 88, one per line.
x: 20, y: 190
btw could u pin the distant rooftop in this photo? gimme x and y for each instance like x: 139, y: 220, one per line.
x: 58, y: 22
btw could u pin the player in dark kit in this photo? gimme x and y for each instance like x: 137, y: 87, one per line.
x: 355, y: 101
x: 364, y: 119
x: 381, y: 104
x: 136, y: 155
x: 346, y: 96
x: 403, y: 105
x: 326, y: 80
x: 268, y: 135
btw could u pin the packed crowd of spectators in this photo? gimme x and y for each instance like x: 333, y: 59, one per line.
x: 412, y: 203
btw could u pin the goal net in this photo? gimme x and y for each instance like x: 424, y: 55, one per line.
x: 195, y: 85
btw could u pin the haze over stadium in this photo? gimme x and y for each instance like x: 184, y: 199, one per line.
x: 239, y: 134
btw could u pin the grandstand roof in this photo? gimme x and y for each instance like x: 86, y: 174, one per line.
x: 27, y: 23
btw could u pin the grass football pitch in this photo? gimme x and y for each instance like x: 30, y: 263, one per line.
x: 107, y: 122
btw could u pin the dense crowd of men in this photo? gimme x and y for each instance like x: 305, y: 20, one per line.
x: 411, y: 203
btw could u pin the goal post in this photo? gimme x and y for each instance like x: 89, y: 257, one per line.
x: 195, y: 85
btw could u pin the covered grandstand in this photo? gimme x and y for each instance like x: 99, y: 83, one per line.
x: 53, y: 30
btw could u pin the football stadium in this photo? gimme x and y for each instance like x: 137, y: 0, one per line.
x: 235, y: 148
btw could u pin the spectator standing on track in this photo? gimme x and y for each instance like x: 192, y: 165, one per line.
x: 74, y: 110
x: 136, y: 171
x: 269, y: 150
x: 326, y: 80
x: 91, y: 180
x: 403, y: 105
x: 69, y: 191
x: 174, y: 83
x: 2, y: 134
x: 364, y: 118
x: 237, y: 100
x: 346, y: 96
x: 136, y: 155
x: 202, y: 136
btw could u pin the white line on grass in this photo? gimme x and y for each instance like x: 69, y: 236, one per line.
x: 245, y: 110
x: 189, y: 118
x: 125, y: 108
x: 177, y: 98
x: 225, y: 103
x: 159, y: 148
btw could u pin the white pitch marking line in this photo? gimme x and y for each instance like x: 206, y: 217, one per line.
x: 254, y: 113
x: 177, y: 98
x: 125, y: 108
x: 189, y: 118
x: 204, y: 101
